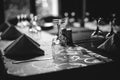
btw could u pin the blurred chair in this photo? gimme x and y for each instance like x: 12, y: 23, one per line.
x: 3, y: 71
x: 13, y: 21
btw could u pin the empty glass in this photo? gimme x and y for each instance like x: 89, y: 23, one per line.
x: 59, y: 53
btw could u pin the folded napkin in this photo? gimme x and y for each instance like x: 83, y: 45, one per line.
x: 23, y: 48
x: 112, y: 44
x: 3, y: 27
x: 11, y: 33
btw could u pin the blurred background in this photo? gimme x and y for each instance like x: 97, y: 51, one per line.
x: 42, y: 8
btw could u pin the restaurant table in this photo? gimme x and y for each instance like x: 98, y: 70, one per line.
x: 81, y: 63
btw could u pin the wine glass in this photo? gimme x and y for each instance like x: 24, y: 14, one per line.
x: 97, y: 35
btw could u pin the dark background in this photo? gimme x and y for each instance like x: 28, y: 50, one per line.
x: 1, y: 12
x: 96, y: 8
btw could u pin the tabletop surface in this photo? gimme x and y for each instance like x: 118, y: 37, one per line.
x: 73, y: 57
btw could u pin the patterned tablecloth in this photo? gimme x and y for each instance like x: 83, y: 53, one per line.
x: 64, y: 58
